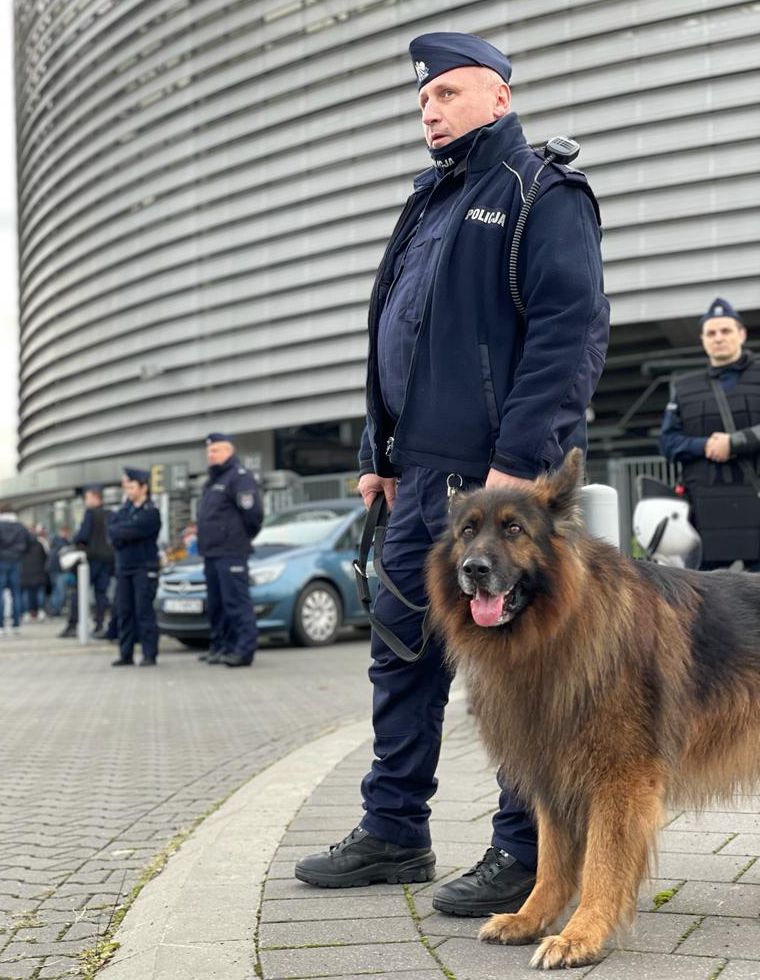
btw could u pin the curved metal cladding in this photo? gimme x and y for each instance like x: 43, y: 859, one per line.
x: 205, y: 189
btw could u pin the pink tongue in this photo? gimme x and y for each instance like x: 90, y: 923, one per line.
x: 486, y: 609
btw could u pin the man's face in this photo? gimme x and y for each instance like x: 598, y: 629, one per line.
x: 219, y: 452
x: 92, y: 499
x: 135, y: 491
x: 722, y: 339
x: 460, y: 100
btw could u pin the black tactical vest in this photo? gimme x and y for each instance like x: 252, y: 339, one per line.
x: 725, y: 507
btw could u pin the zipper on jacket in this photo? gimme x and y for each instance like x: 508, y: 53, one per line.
x: 389, y: 446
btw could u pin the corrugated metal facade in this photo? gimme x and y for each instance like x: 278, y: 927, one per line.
x: 205, y: 187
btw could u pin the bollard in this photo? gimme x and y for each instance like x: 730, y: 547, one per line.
x: 83, y: 597
x: 599, y: 505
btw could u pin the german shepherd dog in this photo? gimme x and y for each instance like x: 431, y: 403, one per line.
x: 603, y: 687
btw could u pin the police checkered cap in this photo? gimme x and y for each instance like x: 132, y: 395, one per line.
x: 720, y: 307
x: 434, y: 54
x: 218, y: 437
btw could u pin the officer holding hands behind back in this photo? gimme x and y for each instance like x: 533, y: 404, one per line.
x: 133, y: 530
x: 229, y: 517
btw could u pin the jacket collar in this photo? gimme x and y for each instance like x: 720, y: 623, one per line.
x: 494, y: 143
x: 215, y: 471
x: 739, y: 365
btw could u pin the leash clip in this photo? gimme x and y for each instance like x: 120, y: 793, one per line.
x: 452, y: 487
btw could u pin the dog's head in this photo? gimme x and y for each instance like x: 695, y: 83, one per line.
x: 503, y: 542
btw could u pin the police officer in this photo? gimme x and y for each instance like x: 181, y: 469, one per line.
x: 229, y: 517
x: 463, y: 389
x: 133, y: 530
x: 93, y: 536
x: 720, y: 450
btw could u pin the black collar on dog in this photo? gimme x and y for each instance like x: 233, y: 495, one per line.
x: 373, y: 537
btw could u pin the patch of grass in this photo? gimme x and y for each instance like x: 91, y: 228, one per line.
x: 410, y: 903
x: 724, y: 842
x: 663, y: 897
x: 745, y: 868
x: 717, y: 971
x: 692, y: 928
x: 94, y: 958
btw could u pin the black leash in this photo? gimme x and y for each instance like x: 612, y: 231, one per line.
x: 373, y: 537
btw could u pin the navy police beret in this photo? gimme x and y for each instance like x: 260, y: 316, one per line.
x: 94, y: 487
x: 218, y: 437
x: 433, y: 54
x: 141, y: 476
x: 721, y: 307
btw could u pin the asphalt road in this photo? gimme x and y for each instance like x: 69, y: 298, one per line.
x: 100, y: 768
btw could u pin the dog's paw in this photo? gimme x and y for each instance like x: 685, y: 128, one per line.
x: 509, y: 929
x: 556, y: 952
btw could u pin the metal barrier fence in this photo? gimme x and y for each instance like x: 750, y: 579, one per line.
x: 618, y: 473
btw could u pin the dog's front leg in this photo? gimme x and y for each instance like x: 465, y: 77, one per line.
x: 623, y: 818
x: 556, y: 883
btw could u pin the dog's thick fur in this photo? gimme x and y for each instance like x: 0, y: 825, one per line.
x: 614, y: 687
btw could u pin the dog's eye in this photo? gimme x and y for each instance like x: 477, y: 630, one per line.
x: 467, y: 531
x: 512, y: 528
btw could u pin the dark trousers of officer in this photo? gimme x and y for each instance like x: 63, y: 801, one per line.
x: 230, y: 610
x: 409, y: 699
x: 100, y: 578
x: 135, y: 594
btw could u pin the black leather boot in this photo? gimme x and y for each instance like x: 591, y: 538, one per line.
x: 361, y: 859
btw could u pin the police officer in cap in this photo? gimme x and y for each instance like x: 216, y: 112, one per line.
x: 712, y: 427
x: 229, y: 517
x: 133, y: 530
x: 466, y: 384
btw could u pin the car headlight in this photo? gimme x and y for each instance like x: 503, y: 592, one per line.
x: 264, y: 574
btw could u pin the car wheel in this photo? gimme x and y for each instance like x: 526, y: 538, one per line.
x: 318, y: 615
x: 194, y: 643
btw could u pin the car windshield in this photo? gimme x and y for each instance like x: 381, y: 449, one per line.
x: 300, y: 527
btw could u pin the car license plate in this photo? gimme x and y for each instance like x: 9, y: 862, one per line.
x: 183, y: 605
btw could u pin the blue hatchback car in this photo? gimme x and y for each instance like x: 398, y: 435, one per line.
x: 301, y: 577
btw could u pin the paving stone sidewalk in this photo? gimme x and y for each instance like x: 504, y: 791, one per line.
x: 710, y: 926
x: 101, y: 768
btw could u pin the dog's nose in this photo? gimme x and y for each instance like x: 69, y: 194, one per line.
x: 476, y: 567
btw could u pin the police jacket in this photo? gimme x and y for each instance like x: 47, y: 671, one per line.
x: 487, y: 388
x: 134, y: 532
x: 93, y: 535
x: 692, y: 415
x: 230, y: 511
x: 15, y: 540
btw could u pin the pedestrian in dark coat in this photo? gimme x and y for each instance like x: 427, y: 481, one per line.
x: 34, y: 579
x: 15, y: 541
x: 93, y: 538
x: 469, y: 381
x: 229, y: 517
x: 133, y: 530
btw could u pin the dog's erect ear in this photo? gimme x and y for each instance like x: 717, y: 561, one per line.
x: 562, y: 488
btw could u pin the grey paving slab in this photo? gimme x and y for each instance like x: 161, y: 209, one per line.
x: 701, y: 867
x: 337, y: 932
x: 331, y: 907
x: 716, y: 898
x: 328, y: 960
x: 742, y: 844
x: 740, y: 970
x: 621, y: 965
x: 732, y: 938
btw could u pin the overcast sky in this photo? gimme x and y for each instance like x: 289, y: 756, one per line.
x: 8, y: 287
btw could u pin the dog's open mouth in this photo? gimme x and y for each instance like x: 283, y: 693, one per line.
x: 496, y: 610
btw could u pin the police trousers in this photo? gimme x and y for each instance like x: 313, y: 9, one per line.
x: 230, y: 610
x: 409, y: 699
x: 135, y: 594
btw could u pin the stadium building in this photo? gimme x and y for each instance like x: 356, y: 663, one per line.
x: 205, y: 188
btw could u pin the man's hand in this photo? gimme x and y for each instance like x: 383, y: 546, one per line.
x: 718, y: 447
x: 371, y: 484
x: 496, y: 478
